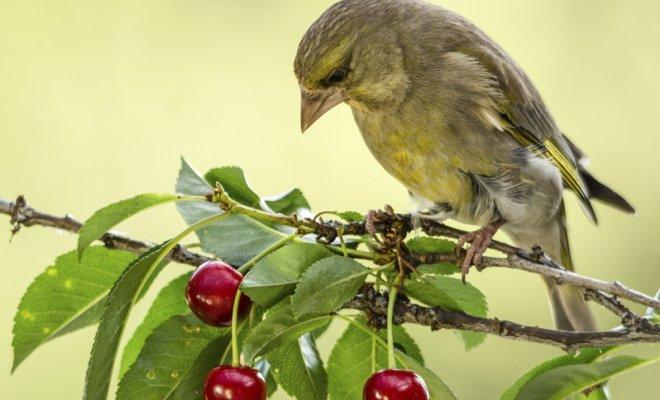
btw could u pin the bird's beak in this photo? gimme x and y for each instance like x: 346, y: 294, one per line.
x: 313, y: 106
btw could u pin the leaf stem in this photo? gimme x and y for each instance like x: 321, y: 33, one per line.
x: 340, y: 232
x: 366, y: 255
x: 234, y: 331
x: 249, y: 264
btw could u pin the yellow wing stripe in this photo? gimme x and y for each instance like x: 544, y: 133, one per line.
x: 568, y: 170
x: 550, y: 151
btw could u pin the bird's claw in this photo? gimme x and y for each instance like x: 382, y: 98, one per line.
x: 479, y: 241
x: 370, y: 223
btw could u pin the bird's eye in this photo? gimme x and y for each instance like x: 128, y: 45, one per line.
x: 337, y: 76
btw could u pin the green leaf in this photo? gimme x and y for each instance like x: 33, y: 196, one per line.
x: 583, y: 356
x: 234, y: 183
x: 68, y: 296
x: 599, y: 394
x: 426, y: 244
x: 236, y: 239
x: 327, y: 285
x: 564, y: 381
x: 350, y: 362
x: 169, y: 302
x: 288, y: 203
x: 167, y: 357
x: 451, y: 294
x: 350, y: 216
x: 437, y: 388
x: 297, y: 367
x: 216, y: 352
x: 437, y: 269
x: 275, y: 276
x: 277, y: 328
x: 191, y: 183
x: 404, y: 345
x: 121, y: 299
x: 266, y: 371
x: 402, y: 340
x: 109, y: 216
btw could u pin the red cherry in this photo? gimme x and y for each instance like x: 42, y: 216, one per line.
x: 211, y: 291
x: 395, y: 384
x: 234, y: 383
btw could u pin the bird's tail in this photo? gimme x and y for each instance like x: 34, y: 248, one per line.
x: 569, y: 308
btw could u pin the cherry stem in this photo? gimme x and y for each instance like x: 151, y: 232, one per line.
x: 281, y: 242
x: 373, y: 354
x: 391, y: 361
x: 235, y: 356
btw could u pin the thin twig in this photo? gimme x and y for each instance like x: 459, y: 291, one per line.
x: 564, y: 276
x: 23, y: 215
x: 547, y: 269
x: 394, y: 225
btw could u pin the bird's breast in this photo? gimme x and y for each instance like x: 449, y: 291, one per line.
x: 419, y: 160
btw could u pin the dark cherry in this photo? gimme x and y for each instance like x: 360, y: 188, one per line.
x: 234, y: 383
x: 395, y: 384
x: 211, y: 291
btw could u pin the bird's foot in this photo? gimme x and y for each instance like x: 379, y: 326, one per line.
x: 479, y: 241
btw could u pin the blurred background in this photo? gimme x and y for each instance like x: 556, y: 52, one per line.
x: 100, y: 99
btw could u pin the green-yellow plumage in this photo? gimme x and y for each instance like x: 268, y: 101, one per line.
x: 453, y: 118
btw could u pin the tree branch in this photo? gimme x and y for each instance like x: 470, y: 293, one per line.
x: 23, y: 215
x: 374, y: 304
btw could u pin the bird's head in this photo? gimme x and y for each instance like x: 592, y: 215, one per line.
x: 351, y: 54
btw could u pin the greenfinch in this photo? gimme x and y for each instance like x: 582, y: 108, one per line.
x: 452, y: 117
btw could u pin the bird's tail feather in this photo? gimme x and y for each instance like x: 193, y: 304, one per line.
x: 569, y: 308
x: 602, y: 192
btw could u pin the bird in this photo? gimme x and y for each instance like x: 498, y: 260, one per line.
x: 451, y: 116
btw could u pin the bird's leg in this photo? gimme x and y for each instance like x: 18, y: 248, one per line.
x: 479, y: 241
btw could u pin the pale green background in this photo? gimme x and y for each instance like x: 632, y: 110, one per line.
x: 100, y: 98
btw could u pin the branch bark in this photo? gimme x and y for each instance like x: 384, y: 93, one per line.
x: 23, y: 215
x: 375, y: 305
x: 636, y: 329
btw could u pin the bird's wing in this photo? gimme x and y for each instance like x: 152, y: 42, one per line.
x: 527, y: 118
